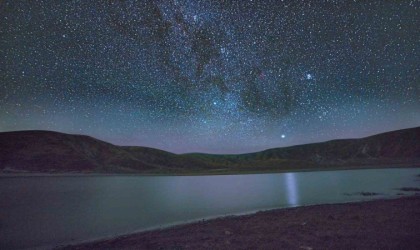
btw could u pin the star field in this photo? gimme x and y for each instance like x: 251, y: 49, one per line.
x: 210, y: 76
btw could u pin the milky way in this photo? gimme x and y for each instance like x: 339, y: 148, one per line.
x: 210, y: 76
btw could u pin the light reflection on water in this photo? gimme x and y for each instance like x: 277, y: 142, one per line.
x: 292, y: 189
x: 48, y: 211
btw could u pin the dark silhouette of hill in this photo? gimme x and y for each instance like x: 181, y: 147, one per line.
x: 47, y: 151
x: 395, y: 147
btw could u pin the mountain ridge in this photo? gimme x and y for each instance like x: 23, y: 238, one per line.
x: 55, y: 152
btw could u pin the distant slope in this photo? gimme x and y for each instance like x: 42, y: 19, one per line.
x: 395, y: 147
x: 46, y: 151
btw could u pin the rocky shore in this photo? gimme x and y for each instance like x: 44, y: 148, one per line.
x: 379, y: 224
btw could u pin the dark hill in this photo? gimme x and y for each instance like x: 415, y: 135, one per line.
x: 46, y: 151
x: 395, y: 147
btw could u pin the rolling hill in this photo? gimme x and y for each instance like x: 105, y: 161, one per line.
x: 53, y: 152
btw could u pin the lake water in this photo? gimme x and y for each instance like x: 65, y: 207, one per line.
x: 48, y: 211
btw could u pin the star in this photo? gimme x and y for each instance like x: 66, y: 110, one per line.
x: 188, y: 76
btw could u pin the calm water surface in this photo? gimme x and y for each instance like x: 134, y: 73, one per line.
x: 42, y: 212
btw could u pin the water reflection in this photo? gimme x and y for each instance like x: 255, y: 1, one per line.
x: 291, y: 188
x: 49, y: 211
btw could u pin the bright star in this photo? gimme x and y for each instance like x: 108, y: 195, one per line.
x: 309, y: 76
x: 283, y: 136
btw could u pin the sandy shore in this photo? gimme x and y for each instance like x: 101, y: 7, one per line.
x: 380, y: 224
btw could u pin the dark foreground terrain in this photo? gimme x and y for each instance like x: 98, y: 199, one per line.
x: 380, y: 224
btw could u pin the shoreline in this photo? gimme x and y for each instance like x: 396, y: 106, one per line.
x: 200, y: 173
x: 373, y: 224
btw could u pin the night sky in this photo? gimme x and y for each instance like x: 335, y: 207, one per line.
x: 210, y: 76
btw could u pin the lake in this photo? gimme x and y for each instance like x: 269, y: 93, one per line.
x: 43, y: 212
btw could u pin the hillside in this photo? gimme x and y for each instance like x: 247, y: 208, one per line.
x: 46, y: 151
x: 395, y: 147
